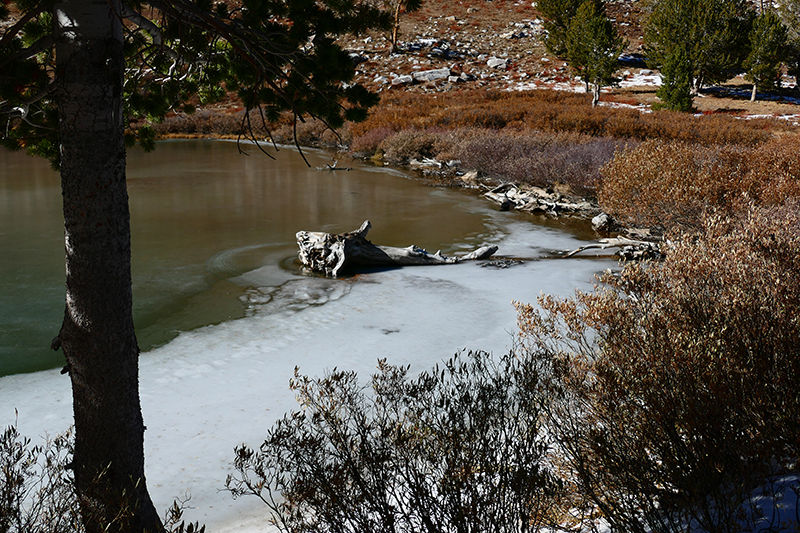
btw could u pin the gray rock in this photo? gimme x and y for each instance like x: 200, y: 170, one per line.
x: 496, y: 62
x: 402, y: 80
x: 432, y: 75
x: 603, y: 222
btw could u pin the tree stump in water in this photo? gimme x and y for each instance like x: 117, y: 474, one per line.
x: 332, y: 253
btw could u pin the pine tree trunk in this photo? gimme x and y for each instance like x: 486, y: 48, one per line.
x: 97, y: 335
x: 753, y: 93
x: 595, y: 94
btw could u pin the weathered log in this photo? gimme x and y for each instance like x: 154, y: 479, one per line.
x: 629, y: 248
x: 332, y: 253
x: 537, y: 200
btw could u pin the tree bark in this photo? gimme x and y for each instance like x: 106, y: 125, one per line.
x: 97, y: 335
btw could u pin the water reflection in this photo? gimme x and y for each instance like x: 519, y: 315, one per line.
x: 208, y: 226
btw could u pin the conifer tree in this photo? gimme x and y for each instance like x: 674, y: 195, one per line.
x: 789, y: 12
x: 768, y: 40
x: 593, y: 46
x: 557, y: 15
x: 712, y: 33
x: 75, y: 77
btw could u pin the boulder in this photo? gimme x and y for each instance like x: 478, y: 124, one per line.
x: 432, y: 75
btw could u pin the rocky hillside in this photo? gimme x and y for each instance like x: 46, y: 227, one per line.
x: 498, y: 44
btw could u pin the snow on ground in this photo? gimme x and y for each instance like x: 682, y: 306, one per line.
x: 214, y: 388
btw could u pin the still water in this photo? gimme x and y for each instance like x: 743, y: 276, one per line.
x: 202, y: 215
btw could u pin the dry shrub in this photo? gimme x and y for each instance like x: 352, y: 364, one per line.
x: 674, y: 385
x: 453, y: 449
x: 674, y: 183
x: 553, y: 111
x: 411, y: 144
x: 539, y: 159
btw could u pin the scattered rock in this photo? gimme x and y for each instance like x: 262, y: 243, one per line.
x: 496, y: 62
x: 432, y: 75
x: 603, y: 222
x: 402, y: 80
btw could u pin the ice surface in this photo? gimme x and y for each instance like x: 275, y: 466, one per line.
x: 214, y: 388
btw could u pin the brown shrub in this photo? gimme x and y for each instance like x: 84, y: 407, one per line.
x: 539, y: 159
x: 674, y: 387
x: 674, y: 183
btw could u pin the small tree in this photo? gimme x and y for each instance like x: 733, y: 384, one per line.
x: 675, y: 91
x: 789, y: 12
x: 768, y: 40
x: 395, y: 8
x: 593, y: 47
x: 557, y: 15
x: 713, y: 35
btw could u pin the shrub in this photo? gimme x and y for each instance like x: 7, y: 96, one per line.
x: 411, y: 144
x: 454, y: 449
x: 674, y: 385
x: 544, y: 160
x: 674, y: 183
x: 37, y: 490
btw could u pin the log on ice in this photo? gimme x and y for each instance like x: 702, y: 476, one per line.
x: 330, y: 253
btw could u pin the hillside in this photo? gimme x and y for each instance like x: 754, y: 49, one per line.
x: 464, y: 36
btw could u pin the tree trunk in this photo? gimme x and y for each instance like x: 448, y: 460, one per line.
x: 97, y: 335
x: 595, y: 94
x: 753, y: 93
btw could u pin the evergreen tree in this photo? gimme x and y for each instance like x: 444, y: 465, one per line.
x: 675, y: 90
x: 713, y: 34
x: 557, y: 15
x: 768, y: 40
x: 593, y: 46
x: 75, y: 75
x: 789, y: 12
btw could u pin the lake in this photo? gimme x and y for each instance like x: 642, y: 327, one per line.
x: 224, y: 315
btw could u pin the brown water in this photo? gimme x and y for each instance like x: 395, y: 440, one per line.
x: 202, y: 215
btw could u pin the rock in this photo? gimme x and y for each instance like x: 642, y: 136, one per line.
x: 402, y: 80
x: 432, y: 75
x: 603, y: 222
x: 383, y: 80
x: 470, y: 178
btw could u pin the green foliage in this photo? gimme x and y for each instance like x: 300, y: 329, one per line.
x: 675, y: 91
x: 789, y: 12
x: 768, y: 40
x: 276, y: 55
x: 455, y: 449
x: 674, y: 384
x: 557, y: 15
x: 593, y: 45
x: 711, y: 36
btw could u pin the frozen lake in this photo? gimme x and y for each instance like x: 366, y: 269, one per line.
x: 227, y: 315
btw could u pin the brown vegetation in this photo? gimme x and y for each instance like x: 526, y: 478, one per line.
x: 673, y: 384
x: 674, y: 184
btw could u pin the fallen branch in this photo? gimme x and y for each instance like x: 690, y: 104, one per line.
x: 332, y: 253
x: 629, y: 248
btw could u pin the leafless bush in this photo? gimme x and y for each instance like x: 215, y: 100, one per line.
x: 455, y: 449
x: 674, y: 384
x: 674, y: 183
x: 540, y: 159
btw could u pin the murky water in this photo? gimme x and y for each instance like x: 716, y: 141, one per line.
x: 202, y: 215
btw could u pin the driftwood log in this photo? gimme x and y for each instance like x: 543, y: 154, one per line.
x: 330, y: 254
x: 537, y: 200
x: 629, y: 249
